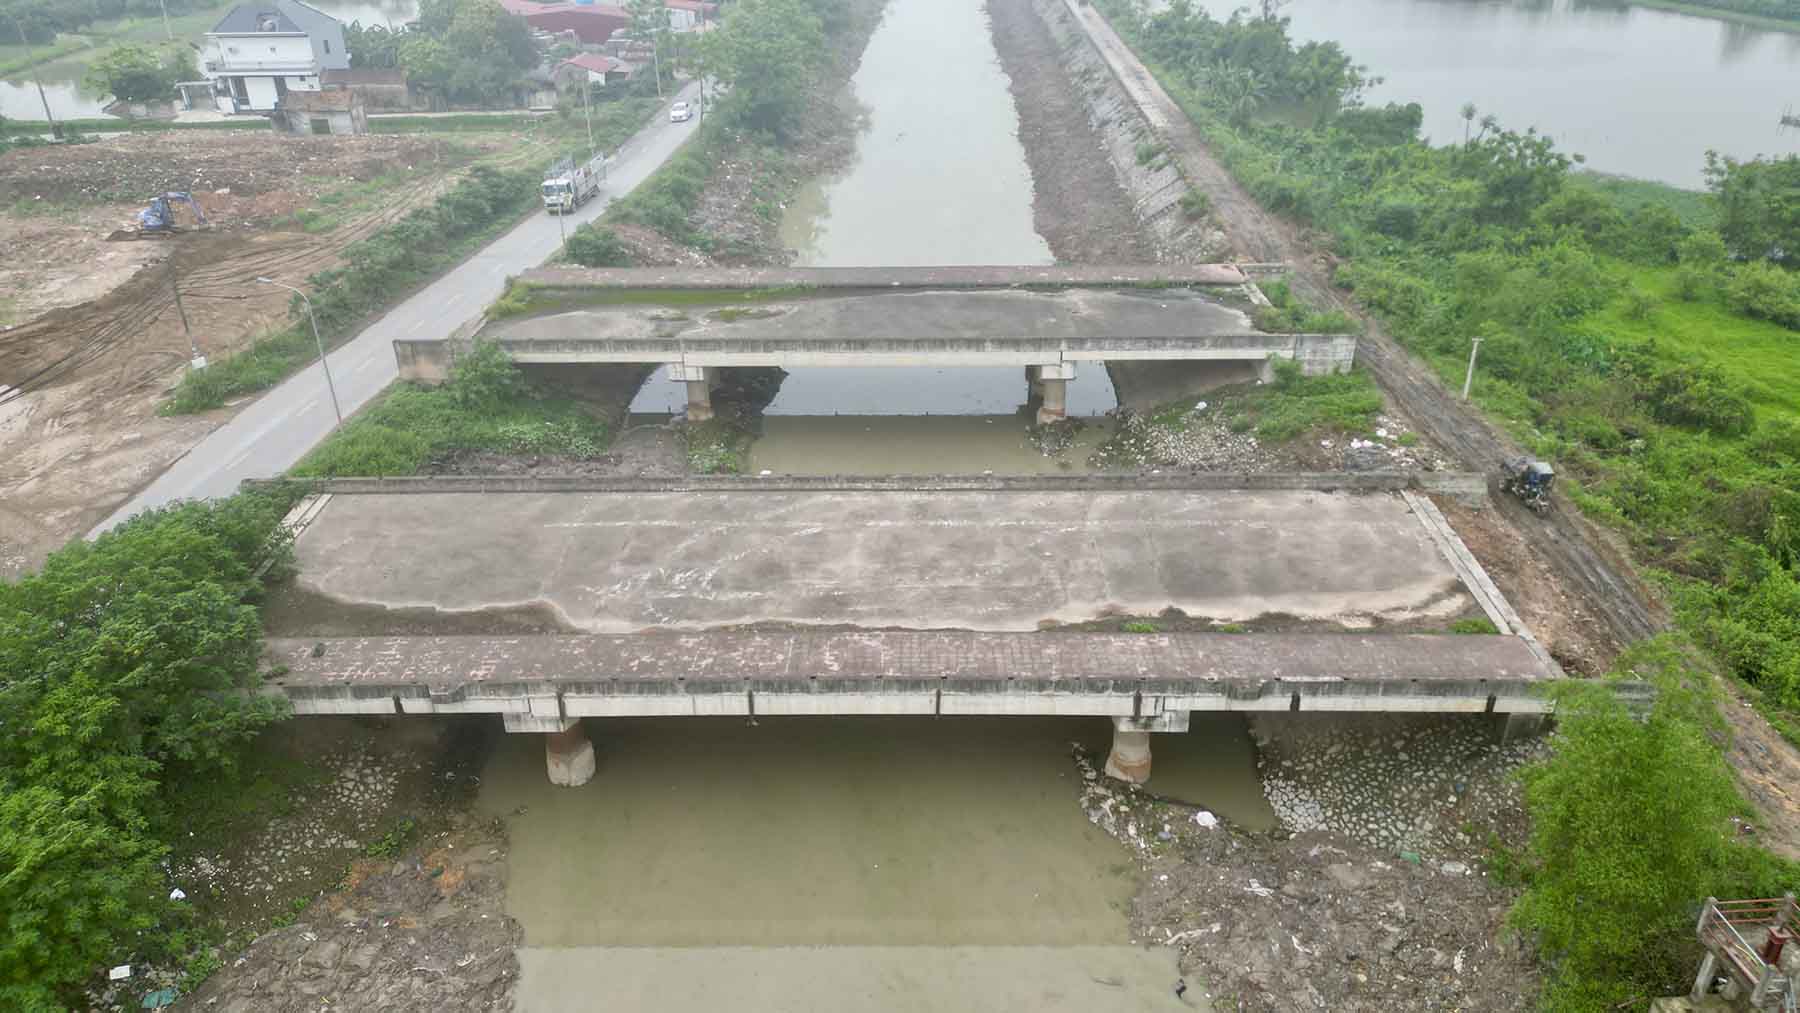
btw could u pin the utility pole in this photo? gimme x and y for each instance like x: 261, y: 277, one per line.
x: 1469, y: 379
x: 167, y: 31
x: 55, y: 131
x: 587, y: 85
x: 195, y: 359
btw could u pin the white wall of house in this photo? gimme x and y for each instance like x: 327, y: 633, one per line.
x: 266, y: 52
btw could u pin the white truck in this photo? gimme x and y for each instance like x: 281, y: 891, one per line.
x: 569, y: 184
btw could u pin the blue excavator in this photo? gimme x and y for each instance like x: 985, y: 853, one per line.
x: 158, y: 220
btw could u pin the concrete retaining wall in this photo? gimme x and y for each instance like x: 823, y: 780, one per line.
x: 1155, y: 187
x: 1464, y: 486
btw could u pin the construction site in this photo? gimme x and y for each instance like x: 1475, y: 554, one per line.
x: 92, y: 338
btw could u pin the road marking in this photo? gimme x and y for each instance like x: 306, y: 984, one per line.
x: 366, y: 363
x: 308, y: 406
x: 239, y: 459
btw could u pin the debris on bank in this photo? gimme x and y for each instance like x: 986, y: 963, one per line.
x: 1312, y: 920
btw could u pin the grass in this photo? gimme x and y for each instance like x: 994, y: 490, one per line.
x: 716, y: 447
x: 1693, y: 207
x: 1295, y: 406
x: 409, y: 426
x: 1765, y: 357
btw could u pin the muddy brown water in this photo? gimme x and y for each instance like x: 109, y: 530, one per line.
x: 803, y: 848
x: 864, y: 863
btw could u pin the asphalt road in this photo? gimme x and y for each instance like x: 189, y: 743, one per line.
x: 270, y: 435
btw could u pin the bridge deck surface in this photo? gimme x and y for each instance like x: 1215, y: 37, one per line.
x: 967, y: 276
x: 626, y: 562
x: 1096, y: 660
x: 916, y: 317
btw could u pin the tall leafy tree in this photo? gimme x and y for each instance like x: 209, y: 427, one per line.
x: 1759, y: 205
x: 767, y: 52
x: 467, y: 50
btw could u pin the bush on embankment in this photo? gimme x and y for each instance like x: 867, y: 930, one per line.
x: 127, y: 667
x: 1633, y: 335
x: 769, y: 57
x: 1633, y: 825
x: 380, y: 271
x: 487, y: 405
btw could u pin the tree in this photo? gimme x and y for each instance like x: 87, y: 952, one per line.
x: 127, y: 670
x: 467, y: 50
x: 1759, y: 206
x: 1467, y: 112
x: 766, y: 52
x: 372, y: 46
x: 140, y: 74
x: 1631, y: 827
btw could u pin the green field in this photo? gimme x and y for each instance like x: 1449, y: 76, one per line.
x: 1763, y: 356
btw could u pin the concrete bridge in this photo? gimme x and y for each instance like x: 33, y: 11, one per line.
x: 1049, y: 321
x: 931, y: 597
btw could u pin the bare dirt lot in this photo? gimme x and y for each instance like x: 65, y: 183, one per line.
x: 92, y: 337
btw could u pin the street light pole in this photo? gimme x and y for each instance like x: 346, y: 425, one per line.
x: 167, y: 31
x: 323, y: 363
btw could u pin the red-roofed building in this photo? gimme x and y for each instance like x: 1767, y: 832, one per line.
x: 591, y: 23
x: 598, y: 68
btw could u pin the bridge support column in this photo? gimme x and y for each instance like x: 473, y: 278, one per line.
x: 1052, y: 385
x: 568, y: 754
x: 1130, y: 756
x: 699, y: 389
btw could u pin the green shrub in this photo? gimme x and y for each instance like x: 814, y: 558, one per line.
x: 1196, y: 204
x: 1140, y: 626
x: 1762, y: 290
x: 486, y: 406
x: 598, y: 246
x: 1473, y: 626
x: 1147, y: 152
x: 128, y: 670
x: 1631, y: 828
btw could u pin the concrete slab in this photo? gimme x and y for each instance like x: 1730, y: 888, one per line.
x: 948, y: 276
x: 911, y: 316
x: 988, y: 561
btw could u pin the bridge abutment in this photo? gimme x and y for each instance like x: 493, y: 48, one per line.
x: 1130, y: 757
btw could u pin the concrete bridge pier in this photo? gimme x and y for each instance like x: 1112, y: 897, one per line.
x: 699, y: 380
x: 1130, y: 756
x: 1050, y: 387
x: 568, y: 753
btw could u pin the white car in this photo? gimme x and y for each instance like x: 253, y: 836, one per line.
x: 680, y: 112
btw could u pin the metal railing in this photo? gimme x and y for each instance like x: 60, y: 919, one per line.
x: 1721, y: 929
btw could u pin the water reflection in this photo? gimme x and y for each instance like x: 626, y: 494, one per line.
x: 1640, y: 92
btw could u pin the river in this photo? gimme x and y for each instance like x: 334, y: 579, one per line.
x: 1640, y: 92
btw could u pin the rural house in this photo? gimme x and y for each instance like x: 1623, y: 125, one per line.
x: 260, y: 52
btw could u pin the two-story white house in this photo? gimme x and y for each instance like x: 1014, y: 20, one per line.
x: 259, y: 52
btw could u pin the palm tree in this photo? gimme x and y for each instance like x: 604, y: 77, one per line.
x: 1468, y: 115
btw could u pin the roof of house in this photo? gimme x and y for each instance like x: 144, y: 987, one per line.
x: 248, y: 20
x: 596, y: 62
